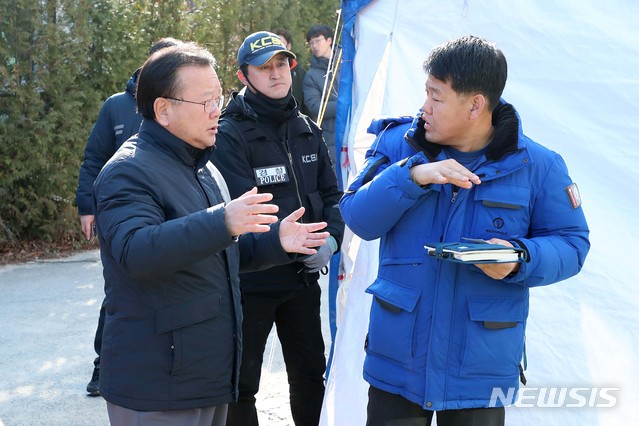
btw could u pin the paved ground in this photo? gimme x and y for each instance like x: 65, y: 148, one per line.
x: 48, y: 314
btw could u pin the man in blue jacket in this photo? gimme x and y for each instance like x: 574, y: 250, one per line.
x: 446, y: 336
x: 172, y: 242
x: 117, y: 121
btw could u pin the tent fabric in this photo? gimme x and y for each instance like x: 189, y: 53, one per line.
x: 573, y: 79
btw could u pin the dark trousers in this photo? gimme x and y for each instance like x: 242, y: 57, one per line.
x: 97, y: 340
x: 388, y: 409
x: 296, y: 315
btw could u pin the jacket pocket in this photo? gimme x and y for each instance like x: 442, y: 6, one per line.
x: 187, y: 313
x: 174, y: 319
x: 392, y: 320
x: 501, y: 210
x: 494, y: 337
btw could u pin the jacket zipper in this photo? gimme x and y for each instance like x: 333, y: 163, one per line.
x: 452, y: 200
x: 199, y: 184
x: 297, y: 191
x: 295, y: 181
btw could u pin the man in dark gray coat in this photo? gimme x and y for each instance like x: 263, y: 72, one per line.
x: 117, y: 121
x: 172, y: 243
x: 319, y: 78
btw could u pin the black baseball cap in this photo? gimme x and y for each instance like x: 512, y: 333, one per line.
x: 258, y: 48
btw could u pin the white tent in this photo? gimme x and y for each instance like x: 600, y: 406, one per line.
x: 573, y: 78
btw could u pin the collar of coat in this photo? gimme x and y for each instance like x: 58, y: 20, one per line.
x: 156, y: 135
x: 132, y: 83
x: 239, y: 110
x: 319, y: 62
x: 505, y: 137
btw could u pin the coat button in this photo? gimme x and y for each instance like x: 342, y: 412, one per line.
x: 429, y: 404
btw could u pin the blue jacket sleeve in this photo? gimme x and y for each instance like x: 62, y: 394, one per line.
x: 383, y: 190
x: 557, y: 243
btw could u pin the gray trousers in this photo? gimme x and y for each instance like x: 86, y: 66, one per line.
x: 209, y: 416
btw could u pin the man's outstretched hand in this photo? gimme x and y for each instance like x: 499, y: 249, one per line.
x: 298, y: 237
x: 250, y: 213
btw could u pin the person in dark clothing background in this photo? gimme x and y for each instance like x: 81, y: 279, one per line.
x: 264, y: 140
x: 117, y: 121
x: 297, y: 71
x: 320, y: 42
x: 172, y: 242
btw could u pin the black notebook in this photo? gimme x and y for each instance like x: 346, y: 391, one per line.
x: 474, y: 252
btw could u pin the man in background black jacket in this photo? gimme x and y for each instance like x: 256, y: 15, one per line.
x: 265, y: 141
x: 297, y: 71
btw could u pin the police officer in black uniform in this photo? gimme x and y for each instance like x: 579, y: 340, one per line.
x: 265, y: 141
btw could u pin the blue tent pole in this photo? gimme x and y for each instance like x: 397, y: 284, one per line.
x: 333, y: 286
x: 344, y: 100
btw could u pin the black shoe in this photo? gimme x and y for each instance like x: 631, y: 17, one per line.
x: 93, y: 386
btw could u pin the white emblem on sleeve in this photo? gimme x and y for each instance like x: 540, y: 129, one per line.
x: 573, y: 195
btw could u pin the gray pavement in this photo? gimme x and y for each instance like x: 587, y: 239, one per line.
x: 48, y: 315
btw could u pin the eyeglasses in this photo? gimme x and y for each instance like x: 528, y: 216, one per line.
x: 316, y: 41
x: 210, y: 106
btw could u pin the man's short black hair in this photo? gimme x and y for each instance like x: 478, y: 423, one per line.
x: 471, y: 65
x: 158, y: 76
x: 319, y: 30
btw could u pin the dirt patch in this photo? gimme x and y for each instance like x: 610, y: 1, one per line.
x: 37, y: 250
